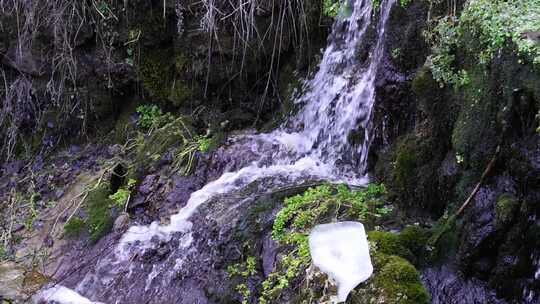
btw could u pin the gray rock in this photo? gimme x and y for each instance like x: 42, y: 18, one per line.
x: 122, y: 222
x: 11, y: 281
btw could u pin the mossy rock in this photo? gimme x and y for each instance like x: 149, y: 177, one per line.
x: 506, y: 208
x: 405, y: 162
x: 395, y: 280
x: 388, y: 243
x: 476, y: 131
x: 411, y: 243
x: 399, y: 282
x: 98, y: 209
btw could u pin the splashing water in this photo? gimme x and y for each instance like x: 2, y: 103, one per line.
x: 314, y: 144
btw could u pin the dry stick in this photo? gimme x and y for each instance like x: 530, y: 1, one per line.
x: 484, y: 175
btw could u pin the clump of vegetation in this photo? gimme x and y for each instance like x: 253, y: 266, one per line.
x: 397, y: 281
x: 331, y: 8
x: 158, y: 71
x: 483, y: 29
x: 243, y: 271
x: 121, y: 196
x: 405, y: 162
x: 301, y: 213
x: 151, y: 117
x: 98, y: 210
x: 98, y: 218
x: 495, y: 24
x: 74, y: 227
x: 411, y: 243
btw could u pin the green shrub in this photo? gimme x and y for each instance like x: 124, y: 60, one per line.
x: 121, y: 196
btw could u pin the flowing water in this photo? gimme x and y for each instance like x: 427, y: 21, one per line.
x: 336, y: 105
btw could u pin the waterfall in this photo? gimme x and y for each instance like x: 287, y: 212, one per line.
x: 314, y: 144
x: 338, y: 100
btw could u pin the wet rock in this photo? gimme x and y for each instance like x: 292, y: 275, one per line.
x: 448, y: 287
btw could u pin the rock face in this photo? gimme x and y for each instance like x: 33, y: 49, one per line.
x: 432, y: 144
x: 75, y: 67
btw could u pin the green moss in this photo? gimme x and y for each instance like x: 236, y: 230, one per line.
x: 394, y: 281
x: 415, y: 239
x: 75, y: 227
x: 388, y: 243
x: 98, y: 211
x: 405, y: 162
x: 411, y: 243
x: 476, y: 131
x: 505, y: 208
x: 399, y: 282
x: 156, y: 73
x: 426, y: 88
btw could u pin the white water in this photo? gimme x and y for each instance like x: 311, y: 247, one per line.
x: 337, y: 101
x: 314, y: 144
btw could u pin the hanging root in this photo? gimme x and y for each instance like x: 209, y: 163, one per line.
x: 25, y: 100
x: 240, y: 16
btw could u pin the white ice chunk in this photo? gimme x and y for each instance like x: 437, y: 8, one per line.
x: 341, y: 250
x: 62, y: 295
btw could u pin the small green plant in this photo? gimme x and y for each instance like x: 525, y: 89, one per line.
x: 376, y: 5
x: 29, y: 223
x: 151, y: 117
x: 244, y: 291
x: 245, y: 270
x: 205, y: 144
x: 396, y: 53
x: 121, y: 196
x: 404, y: 3
x: 331, y: 8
